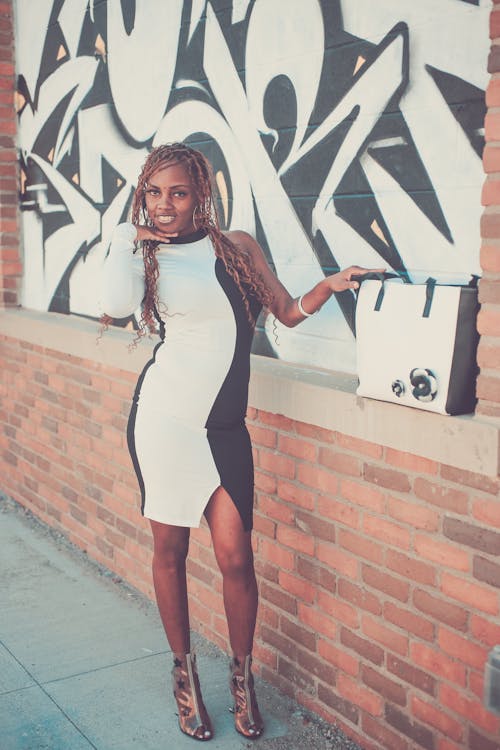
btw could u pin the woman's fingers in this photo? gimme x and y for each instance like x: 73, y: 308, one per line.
x: 151, y: 233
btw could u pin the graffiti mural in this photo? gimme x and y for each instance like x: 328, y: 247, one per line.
x: 341, y: 131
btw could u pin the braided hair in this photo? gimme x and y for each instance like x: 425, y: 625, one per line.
x: 237, y: 260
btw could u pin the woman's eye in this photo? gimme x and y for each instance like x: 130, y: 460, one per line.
x: 152, y: 191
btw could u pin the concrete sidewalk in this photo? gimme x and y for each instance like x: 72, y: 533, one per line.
x: 84, y: 662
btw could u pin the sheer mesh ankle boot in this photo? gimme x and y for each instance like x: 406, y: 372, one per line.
x: 247, y: 718
x: 193, y: 716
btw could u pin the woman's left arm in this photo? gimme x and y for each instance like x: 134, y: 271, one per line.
x: 285, y: 307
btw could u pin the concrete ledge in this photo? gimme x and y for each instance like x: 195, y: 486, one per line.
x: 318, y: 397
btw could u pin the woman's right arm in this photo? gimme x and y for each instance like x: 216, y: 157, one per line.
x: 122, y: 286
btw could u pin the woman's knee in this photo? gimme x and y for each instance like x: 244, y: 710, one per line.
x: 170, y: 546
x: 235, y: 562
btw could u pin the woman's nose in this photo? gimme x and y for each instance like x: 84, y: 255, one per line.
x: 164, y: 201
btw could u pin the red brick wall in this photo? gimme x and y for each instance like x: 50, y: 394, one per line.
x: 488, y: 384
x: 379, y: 571
x: 10, y: 266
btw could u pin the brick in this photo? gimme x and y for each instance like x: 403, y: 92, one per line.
x: 296, y: 539
x: 409, y: 621
x: 384, y: 737
x: 279, y: 598
x: 262, y: 436
x: 339, y: 705
x: 383, y: 685
x: 472, y: 536
x: 315, y: 527
x: 492, y: 133
x: 265, y: 482
x: 408, y: 567
x: 265, y: 655
x: 366, y: 699
x: 478, y: 741
x: 477, y: 597
x: 317, y: 478
x: 104, y: 547
x: 436, y: 718
x: 276, y: 463
x: 444, y: 744
x: 388, y: 637
x: 438, y: 664
x: 338, y: 560
x: 412, y: 729
x: 298, y: 448
x: 488, y: 388
x: 494, y: 28
x: 490, y: 254
x: 363, y: 495
x: 488, y: 357
x: 356, y: 445
x: 302, y: 679
x: 277, y: 420
x: 417, y: 516
x: 337, y: 510
x: 379, y: 579
x: 363, y: 647
x: 484, y: 631
x: 410, y: 462
x: 447, y: 555
x: 442, y: 496
x: 409, y: 673
x: 308, y: 569
x: 314, y: 432
x: 488, y: 320
x: 388, y: 478
x: 275, y: 509
x: 317, y: 621
x: 264, y: 526
x: 489, y: 289
x: 441, y: 610
x: 471, y: 479
x: 359, y: 597
x: 338, y: 609
x: 360, y: 546
x: 342, y: 463
x: 338, y: 657
x: 387, y: 531
x: 299, y: 587
x: 293, y: 493
x: 462, y: 648
x: 468, y: 708
x: 317, y: 667
x: 486, y: 570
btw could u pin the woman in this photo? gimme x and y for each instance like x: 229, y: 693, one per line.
x: 187, y: 434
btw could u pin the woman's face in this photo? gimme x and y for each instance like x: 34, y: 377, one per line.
x: 171, y: 199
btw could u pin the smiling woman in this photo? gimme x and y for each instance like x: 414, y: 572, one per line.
x: 171, y: 201
x: 187, y: 435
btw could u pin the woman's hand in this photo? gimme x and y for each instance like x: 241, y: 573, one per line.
x: 152, y: 233
x: 347, y: 278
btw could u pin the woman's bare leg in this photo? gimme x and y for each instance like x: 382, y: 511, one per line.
x: 233, y: 550
x: 234, y: 554
x: 171, y: 545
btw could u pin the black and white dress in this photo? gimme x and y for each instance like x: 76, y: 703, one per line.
x: 187, y: 433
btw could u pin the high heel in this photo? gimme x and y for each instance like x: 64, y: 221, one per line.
x: 193, y: 716
x: 247, y: 718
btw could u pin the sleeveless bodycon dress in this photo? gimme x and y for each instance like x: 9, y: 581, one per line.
x: 186, y: 432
